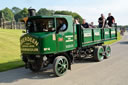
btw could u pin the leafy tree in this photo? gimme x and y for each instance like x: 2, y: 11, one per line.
x: 16, y: 10
x: 126, y: 26
x: 73, y: 14
x: 44, y: 11
x: 21, y: 14
x: 8, y: 14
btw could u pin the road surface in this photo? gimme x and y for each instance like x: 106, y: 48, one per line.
x: 112, y: 71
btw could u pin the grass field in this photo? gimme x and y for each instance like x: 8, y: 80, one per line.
x: 10, y: 49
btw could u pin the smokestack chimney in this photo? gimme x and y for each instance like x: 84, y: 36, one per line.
x: 32, y: 12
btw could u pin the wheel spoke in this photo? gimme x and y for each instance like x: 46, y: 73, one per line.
x: 65, y: 62
x: 59, y: 63
x: 59, y: 69
x: 62, y: 71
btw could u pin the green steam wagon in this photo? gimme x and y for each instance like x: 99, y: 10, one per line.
x: 44, y: 44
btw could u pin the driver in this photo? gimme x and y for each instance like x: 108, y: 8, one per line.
x: 62, y: 25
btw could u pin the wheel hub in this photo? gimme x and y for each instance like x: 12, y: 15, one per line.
x: 63, y: 66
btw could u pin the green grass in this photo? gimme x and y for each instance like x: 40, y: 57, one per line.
x: 113, y: 41
x: 10, y: 49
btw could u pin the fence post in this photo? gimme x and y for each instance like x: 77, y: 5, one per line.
x: 4, y: 26
x: 19, y: 25
x: 14, y: 24
x: 1, y: 22
x: 11, y: 24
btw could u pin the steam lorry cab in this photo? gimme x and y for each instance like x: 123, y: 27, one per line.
x: 44, y: 43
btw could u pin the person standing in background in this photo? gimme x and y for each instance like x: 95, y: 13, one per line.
x: 110, y: 20
x: 101, y: 21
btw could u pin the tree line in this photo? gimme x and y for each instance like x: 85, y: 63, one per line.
x: 17, y: 14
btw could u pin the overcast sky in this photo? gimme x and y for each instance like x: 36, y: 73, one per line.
x: 89, y: 10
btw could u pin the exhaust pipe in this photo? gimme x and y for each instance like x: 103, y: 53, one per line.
x: 32, y: 12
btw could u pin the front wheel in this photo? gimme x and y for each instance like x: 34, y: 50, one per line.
x: 60, y: 65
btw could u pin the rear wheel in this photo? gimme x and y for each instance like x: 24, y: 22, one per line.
x: 98, y: 53
x: 60, y: 65
x: 107, y: 51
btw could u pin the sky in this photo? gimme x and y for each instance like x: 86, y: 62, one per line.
x: 88, y: 9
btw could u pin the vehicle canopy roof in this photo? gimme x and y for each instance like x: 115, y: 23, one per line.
x: 54, y: 16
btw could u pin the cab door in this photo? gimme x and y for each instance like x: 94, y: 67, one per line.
x: 60, y: 44
x: 65, y: 38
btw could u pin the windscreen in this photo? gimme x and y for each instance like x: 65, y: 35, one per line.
x: 40, y: 25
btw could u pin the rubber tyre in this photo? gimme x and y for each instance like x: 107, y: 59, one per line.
x: 60, y: 65
x: 98, y: 53
x: 107, y: 51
